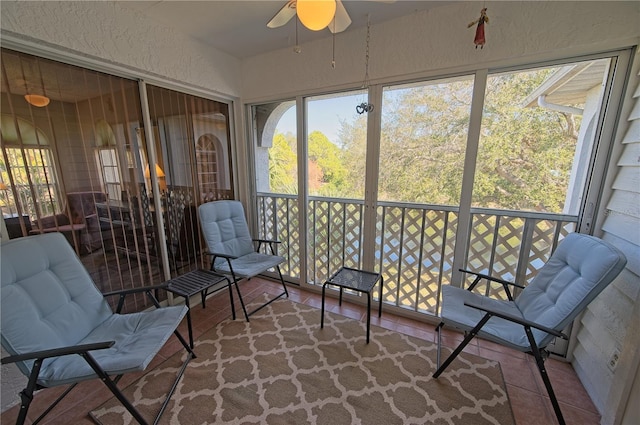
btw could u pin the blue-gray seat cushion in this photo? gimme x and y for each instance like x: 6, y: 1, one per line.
x: 250, y: 265
x: 48, y: 300
x: 456, y: 314
x: 138, y: 338
x: 579, y: 269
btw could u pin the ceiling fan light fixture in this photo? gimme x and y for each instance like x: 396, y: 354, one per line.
x: 316, y: 14
x: 37, y: 100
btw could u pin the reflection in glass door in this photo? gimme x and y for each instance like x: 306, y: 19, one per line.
x: 193, y: 153
x: 75, y: 159
x: 65, y: 161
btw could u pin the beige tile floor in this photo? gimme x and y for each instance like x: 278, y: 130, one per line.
x: 528, y: 396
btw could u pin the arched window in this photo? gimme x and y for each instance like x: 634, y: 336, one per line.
x: 27, y: 166
x: 207, y: 162
x: 107, y: 159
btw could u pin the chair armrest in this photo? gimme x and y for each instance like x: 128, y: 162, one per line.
x: 515, y: 319
x: 266, y: 241
x: 505, y: 284
x: 146, y: 289
x: 135, y: 290
x: 57, y: 352
x: 217, y: 254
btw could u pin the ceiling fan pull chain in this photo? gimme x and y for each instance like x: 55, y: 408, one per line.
x: 366, y: 106
x: 365, y: 84
x: 297, y: 48
x: 333, y: 47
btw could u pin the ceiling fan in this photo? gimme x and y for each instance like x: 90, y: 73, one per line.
x: 337, y: 18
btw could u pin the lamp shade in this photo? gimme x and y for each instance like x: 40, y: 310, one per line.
x: 316, y: 14
x: 37, y: 100
x: 159, y: 172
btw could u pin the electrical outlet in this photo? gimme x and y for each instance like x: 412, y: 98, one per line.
x: 613, y: 360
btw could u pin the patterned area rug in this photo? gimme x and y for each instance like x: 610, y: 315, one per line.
x: 281, y: 368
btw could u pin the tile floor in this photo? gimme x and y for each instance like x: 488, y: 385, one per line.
x: 528, y: 396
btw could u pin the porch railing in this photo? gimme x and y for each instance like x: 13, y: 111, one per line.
x: 414, y: 243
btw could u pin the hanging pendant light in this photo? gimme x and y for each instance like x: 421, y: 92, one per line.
x: 316, y: 14
x: 37, y: 100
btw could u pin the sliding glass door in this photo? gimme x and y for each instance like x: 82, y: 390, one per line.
x: 79, y: 157
x: 336, y: 145
x: 192, y: 145
x: 423, y: 140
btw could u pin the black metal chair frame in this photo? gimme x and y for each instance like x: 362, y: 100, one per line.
x: 227, y: 257
x: 26, y: 395
x: 540, y: 354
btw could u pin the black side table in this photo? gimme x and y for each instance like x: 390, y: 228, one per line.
x: 357, y: 280
x: 193, y: 282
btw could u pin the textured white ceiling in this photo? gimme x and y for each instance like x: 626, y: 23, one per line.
x: 240, y: 27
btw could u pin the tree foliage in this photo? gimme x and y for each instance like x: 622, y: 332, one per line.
x: 424, y: 133
x: 523, y: 163
x: 526, y: 153
x: 283, y: 168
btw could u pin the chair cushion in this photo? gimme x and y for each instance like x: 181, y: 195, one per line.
x: 45, y: 289
x: 249, y: 265
x: 138, y: 337
x: 456, y: 314
x: 49, y: 301
x: 225, y: 229
x: 579, y: 269
x: 575, y: 274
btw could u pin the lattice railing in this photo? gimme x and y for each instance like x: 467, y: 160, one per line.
x: 414, y: 252
x: 414, y: 244
x: 335, y: 236
x: 278, y: 220
x: 513, y: 245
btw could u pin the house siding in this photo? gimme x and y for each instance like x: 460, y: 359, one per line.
x: 610, y: 322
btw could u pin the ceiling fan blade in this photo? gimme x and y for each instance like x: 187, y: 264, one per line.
x: 341, y: 20
x: 284, y: 15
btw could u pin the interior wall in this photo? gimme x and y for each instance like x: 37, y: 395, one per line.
x: 108, y: 32
x: 438, y: 41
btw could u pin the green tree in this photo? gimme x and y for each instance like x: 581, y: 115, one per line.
x: 353, y: 137
x: 526, y: 153
x: 283, y: 168
x: 326, y: 157
x: 424, y: 133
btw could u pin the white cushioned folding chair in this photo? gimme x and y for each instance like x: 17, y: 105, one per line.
x: 579, y: 269
x: 59, y: 329
x: 233, y: 251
